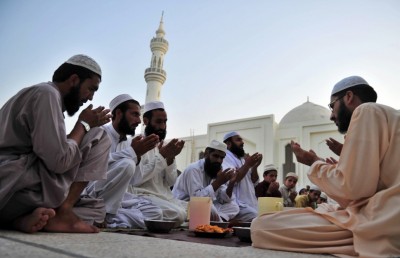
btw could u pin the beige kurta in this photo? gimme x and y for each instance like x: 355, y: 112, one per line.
x: 365, y: 182
x: 37, y: 161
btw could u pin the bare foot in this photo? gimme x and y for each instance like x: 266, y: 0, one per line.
x: 66, y: 221
x: 34, y: 221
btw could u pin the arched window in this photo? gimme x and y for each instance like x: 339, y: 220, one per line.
x: 159, y: 62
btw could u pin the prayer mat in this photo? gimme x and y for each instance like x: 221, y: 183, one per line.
x: 182, y: 234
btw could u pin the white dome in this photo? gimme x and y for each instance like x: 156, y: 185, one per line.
x: 307, y: 111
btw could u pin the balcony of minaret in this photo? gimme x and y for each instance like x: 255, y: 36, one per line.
x: 155, y: 74
x: 159, y: 44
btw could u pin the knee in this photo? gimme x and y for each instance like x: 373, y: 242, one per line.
x: 182, y: 215
x: 128, y: 166
x: 157, y: 213
x: 235, y: 208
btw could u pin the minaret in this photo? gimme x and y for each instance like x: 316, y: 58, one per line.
x: 155, y: 76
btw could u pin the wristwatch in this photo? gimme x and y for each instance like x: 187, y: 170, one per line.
x: 85, y: 125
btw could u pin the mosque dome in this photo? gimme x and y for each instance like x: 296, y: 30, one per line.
x: 306, y: 112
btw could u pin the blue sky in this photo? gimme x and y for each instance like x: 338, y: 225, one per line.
x: 227, y: 59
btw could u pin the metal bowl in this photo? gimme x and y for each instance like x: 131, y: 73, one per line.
x: 243, y: 233
x: 159, y: 226
x: 220, y: 224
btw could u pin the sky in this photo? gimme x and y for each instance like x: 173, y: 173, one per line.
x: 227, y: 59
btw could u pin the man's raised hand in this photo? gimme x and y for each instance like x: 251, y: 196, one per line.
x: 141, y: 144
x: 95, y: 117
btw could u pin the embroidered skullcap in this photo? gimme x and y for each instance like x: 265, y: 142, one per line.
x: 292, y: 174
x: 85, y: 61
x: 214, y: 144
x: 314, y: 188
x: 118, y: 100
x: 229, y: 135
x: 152, y: 105
x: 348, y: 82
x: 270, y: 167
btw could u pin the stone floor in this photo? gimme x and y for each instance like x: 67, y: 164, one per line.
x: 108, y: 244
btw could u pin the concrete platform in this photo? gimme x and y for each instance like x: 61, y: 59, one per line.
x: 107, y: 244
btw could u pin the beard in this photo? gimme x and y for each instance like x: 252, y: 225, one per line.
x: 211, y: 168
x: 344, y: 118
x: 72, y: 101
x: 237, y: 150
x: 124, y: 126
x: 161, y: 133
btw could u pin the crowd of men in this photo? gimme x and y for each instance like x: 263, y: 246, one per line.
x: 104, y: 173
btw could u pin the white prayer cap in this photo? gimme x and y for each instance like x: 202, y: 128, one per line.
x: 214, y: 144
x: 323, y: 195
x: 118, y: 100
x: 314, y: 188
x: 270, y: 167
x: 348, y: 82
x: 229, y: 135
x: 291, y: 174
x: 152, y: 105
x: 85, y: 61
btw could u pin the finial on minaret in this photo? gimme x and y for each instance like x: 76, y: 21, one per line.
x: 160, y: 33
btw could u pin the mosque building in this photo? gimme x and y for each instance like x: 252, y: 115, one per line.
x: 308, y: 124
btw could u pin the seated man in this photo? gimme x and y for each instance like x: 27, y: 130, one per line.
x: 309, y: 199
x: 205, y: 178
x: 365, y: 183
x: 246, y: 175
x: 268, y: 187
x: 42, y: 169
x: 288, y: 189
x: 158, y: 170
x: 124, y: 209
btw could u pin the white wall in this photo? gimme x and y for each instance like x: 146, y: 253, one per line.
x: 262, y: 134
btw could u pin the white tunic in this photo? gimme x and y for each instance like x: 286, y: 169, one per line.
x: 195, y: 182
x: 287, y: 202
x: 244, y: 190
x: 123, y: 210
x: 155, y: 184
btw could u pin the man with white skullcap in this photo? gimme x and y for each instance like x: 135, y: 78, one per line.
x: 309, y: 199
x: 288, y: 189
x: 44, y: 170
x: 124, y: 167
x: 269, y: 187
x: 205, y: 178
x: 246, y: 175
x: 159, y: 166
x: 364, y: 182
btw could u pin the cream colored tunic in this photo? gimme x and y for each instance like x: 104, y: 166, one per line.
x: 157, y: 180
x: 365, y: 182
x: 37, y: 161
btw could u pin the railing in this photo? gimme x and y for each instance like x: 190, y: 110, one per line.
x: 155, y: 70
x: 161, y: 40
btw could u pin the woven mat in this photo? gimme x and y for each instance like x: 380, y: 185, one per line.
x: 184, y: 235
